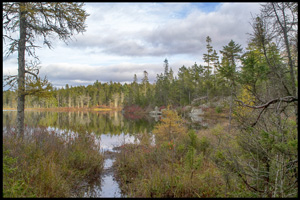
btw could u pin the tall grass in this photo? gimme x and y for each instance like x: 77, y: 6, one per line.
x: 154, y: 171
x: 178, y: 165
x: 47, y: 164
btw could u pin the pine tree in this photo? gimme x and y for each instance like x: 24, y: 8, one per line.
x: 207, y: 57
x: 211, y: 57
x: 166, y: 72
x: 33, y: 19
x: 227, y: 69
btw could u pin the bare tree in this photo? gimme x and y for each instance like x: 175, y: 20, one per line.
x: 283, y: 18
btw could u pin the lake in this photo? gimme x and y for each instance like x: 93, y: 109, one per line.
x: 111, y: 129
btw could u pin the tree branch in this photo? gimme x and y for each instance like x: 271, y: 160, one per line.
x: 287, y: 99
x: 33, y: 74
x: 10, y: 81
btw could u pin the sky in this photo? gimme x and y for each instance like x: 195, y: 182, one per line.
x: 123, y: 39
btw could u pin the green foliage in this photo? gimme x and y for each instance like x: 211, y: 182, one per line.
x: 12, y: 186
x: 204, y: 144
x: 192, y: 160
x: 257, y: 160
x: 211, y: 58
x: 219, y: 109
x: 193, y: 138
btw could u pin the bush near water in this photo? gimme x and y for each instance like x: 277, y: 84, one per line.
x: 45, y: 164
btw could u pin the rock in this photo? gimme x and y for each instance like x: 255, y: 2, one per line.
x: 204, y: 106
x: 155, y: 111
x: 187, y: 108
x: 196, y: 112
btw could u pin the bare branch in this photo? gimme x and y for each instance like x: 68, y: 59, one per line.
x: 287, y: 99
x: 10, y: 80
x: 33, y: 74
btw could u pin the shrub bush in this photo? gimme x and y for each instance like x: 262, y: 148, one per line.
x: 48, y: 164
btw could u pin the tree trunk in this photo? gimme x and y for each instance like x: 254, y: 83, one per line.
x: 230, y: 110
x: 69, y: 101
x: 21, y: 72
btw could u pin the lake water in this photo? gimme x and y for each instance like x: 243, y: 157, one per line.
x: 110, y: 129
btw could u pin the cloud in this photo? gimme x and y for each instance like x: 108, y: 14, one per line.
x: 123, y: 39
x: 61, y: 74
x: 145, y: 30
x: 187, y: 35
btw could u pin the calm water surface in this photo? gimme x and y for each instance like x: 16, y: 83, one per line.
x: 110, y: 130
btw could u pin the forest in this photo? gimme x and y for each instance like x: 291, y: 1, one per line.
x: 254, y: 155
x: 242, y: 74
x: 190, y: 83
x: 181, y: 89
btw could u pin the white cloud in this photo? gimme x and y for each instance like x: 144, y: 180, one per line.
x: 123, y: 39
x: 65, y: 73
x: 156, y: 29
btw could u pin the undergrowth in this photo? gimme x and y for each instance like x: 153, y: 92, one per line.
x: 47, y: 164
x: 178, y: 165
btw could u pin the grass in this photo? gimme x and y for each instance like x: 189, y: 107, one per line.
x: 102, y: 109
x: 45, y: 164
x: 167, y: 171
x: 180, y: 164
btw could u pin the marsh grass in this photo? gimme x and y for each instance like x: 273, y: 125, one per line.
x: 44, y: 164
x: 145, y: 171
x: 178, y: 165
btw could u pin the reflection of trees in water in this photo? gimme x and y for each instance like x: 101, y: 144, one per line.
x: 113, y: 123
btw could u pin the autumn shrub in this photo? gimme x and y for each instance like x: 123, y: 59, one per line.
x: 170, y: 129
x: 174, y: 167
x: 154, y: 173
x: 133, y: 109
x: 46, y: 164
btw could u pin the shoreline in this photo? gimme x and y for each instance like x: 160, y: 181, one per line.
x: 67, y: 109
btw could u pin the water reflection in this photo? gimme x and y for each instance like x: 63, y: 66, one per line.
x: 109, y: 130
x: 113, y: 123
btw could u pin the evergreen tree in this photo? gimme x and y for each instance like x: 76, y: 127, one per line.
x: 211, y: 57
x: 227, y: 69
x: 231, y: 52
x: 166, y: 66
x: 30, y: 20
x: 136, y: 91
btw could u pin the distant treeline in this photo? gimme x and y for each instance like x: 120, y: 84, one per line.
x: 190, y: 83
x: 250, y: 74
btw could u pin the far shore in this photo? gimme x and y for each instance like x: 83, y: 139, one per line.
x: 100, y: 109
